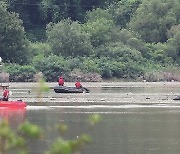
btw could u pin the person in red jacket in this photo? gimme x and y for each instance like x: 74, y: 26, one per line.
x: 6, y: 94
x: 61, y: 81
x: 78, y: 85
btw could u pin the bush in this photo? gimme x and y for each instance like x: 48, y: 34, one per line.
x: 39, y: 48
x: 18, y: 73
x: 75, y: 62
x: 133, y: 70
x: 77, y: 74
x: 90, y: 65
x: 67, y: 39
x: 118, y: 69
x: 119, y: 52
x: 51, y: 66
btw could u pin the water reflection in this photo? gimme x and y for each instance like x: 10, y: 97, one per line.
x: 15, y: 116
x: 122, y: 130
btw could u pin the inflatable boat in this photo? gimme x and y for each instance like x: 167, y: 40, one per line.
x: 13, y: 104
x: 177, y: 98
x: 64, y: 89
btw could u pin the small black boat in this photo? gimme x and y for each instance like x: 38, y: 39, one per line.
x: 64, y: 89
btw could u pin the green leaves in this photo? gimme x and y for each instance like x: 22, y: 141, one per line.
x: 60, y: 146
x: 99, y: 31
x: 62, y: 128
x: 123, y: 10
x: 9, y: 140
x: 13, y: 42
x: 51, y: 66
x: 21, y: 73
x: 30, y: 131
x: 98, y: 25
x: 67, y: 39
x: 154, y: 18
x: 94, y: 119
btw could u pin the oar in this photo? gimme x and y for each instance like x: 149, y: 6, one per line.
x: 87, y: 90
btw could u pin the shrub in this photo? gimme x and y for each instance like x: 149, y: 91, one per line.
x: 51, y: 66
x: 18, y: 73
x: 67, y: 39
x: 39, y: 48
x: 90, y: 65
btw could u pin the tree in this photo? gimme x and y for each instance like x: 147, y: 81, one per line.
x: 123, y: 10
x: 154, y: 18
x: 173, y: 31
x: 99, y: 24
x: 56, y: 10
x: 130, y: 39
x: 28, y: 11
x: 174, y: 44
x: 170, y: 51
x: 67, y: 39
x: 13, y: 42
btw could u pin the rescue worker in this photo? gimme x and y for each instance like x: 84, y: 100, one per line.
x: 61, y: 81
x: 6, y: 94
x: 78, y: 85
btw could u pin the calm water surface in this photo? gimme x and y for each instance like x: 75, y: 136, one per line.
x: 124, y: 129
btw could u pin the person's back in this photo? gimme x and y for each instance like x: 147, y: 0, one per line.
x: 61, y: 81
x: 6, y: 95
x: 78, y: 85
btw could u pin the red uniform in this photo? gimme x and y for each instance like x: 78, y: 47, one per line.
x: 61, y: 81
x: 78, y: 85
x: 6, y: 95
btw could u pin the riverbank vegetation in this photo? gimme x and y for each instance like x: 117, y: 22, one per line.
x: 91, y: 40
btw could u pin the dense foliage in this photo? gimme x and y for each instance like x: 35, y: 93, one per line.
x: 13, y: 43
x: 154, y: 18
x: 125, y: 39
x: 67, y: 39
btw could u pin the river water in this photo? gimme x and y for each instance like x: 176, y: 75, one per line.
x: 137, y: 118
